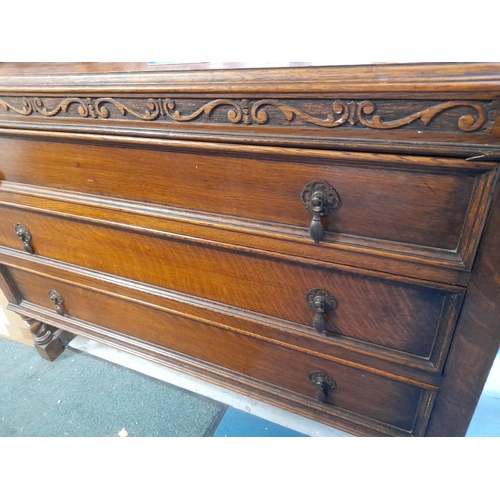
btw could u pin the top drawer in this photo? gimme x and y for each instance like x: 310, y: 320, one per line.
x: 424, y: 207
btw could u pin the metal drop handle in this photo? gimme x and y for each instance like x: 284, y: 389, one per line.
x: 324, y: 385
x: 25, y: 236
x: 322, y: 302
x: 320, y: 199
x: 58, y: 302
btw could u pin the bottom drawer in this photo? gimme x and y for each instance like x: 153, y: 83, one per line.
x: 379, y: 402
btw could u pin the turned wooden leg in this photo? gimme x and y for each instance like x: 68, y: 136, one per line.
x: 50, y: 342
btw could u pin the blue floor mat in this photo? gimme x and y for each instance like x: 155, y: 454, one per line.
x: 237, y: 423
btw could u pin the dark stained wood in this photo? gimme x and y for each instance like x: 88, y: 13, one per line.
x: 447, y: 109
x: 404, y: 315
x: 358, y: 391
x: 49, y: 341
x: 51, y: 68
x: 9, y: 287
x: 407, y: 78
x: 221, y: 231
x: 417, y: 203
x: 313, y: 117
x: 351, y: 352
x: 479, y: 146
x: 164, y: 207
x: 476, y: 341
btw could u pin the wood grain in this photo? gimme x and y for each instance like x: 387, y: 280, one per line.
x: 476, y: 341
x: 467, y: 116
x: 401, y: 366
x: 401, y: 204
x: 398, y: 315
x: 407, y: 78
x: 246, y: 235
x: 165, y: 209
x: 9, y: 287
x: 356, y: 391
x: 397, y: 92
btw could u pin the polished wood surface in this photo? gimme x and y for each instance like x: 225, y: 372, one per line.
x: 51, y: 68
x: 376, y: 397
x: 447, y: 109
x: 408, y: 78
x: 244, y: 236
x: 338, y: 348
x: 418, y: 201
x: 160, y: 212
x: 476, y: 340
x: 405, y: 315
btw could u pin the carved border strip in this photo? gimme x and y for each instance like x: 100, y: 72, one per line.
x: 254, y: 113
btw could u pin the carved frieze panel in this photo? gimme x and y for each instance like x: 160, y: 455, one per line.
x: 462, y: 116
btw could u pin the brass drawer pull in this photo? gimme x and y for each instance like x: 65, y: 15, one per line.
x: 320, y: 199
x: 58, y: 301
x: 25, y: 236
x: 324, y: 384
x: 322, y: 302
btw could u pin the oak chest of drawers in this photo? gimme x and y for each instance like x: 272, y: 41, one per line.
x: 323, y: 239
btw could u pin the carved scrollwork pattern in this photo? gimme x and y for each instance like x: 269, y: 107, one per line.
x: 466, y: 123
x: 98, y: 107
x: 338, y: 113
x: 27, y: 107
x: 94, y: 108
x: 234, y: 115
x: 354, y: 112
x: 339, y: 117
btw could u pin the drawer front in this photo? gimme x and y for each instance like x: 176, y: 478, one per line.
x: 383, y: 202
x: 378, y: 398
x: 405, y: 316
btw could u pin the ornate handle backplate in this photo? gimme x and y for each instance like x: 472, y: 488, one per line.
x: 324, y: 384
x: 320, y: 199
x: 25, y: 236
x: 58, y: 301
x: 322, y: 302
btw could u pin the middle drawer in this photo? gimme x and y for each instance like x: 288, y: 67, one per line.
x: 406, y: 315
